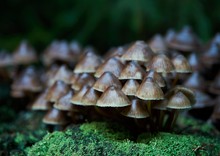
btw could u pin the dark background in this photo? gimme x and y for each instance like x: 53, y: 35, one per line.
x: 102, y: 23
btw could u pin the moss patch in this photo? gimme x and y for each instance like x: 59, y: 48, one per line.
x: 99, y: 138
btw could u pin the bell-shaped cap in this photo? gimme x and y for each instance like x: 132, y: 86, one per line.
x: 88, y: 64
x: 157, y: 43
x: 90, y: 97
x: 169, y: 35
x: 63, y: 103
x: 130, y: 87
x: 186, y: 91
x: 41, y: 102
x: 77, y: 97
x: 149, y: 90
x: 56, y: 91
x: 112, y: 65
x: 6, y: 59
x: 215, y: 86
x: 211, y: 55
x: 24, y: 54
x: 194, y: 62
x: 55, y: 117
x: 73, y: 78
x: 75, y: 50
x: 136, y: 110
x: 132, y: 71
x: 138, y: 51
x: 156, y: 77
x: 107, y: 79
x: 161, y: 64
x: 113, y: 97
x: 185, y: 40
x: 115, y: 52
x: 181, y: 64
x: 178, y: 101
x: 28, y: 80
x: 196, y: 81
x: 62, y: 74
x: 83, y: 79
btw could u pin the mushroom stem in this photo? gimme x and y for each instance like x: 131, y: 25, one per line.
x: 172, y: 120
x: 161, y: 117
x: 149, y: 107
x: 175, y: 80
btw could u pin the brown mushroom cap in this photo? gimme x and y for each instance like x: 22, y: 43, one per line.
x: 115, y: 51
x: 41, y: 102
x: 211, y: 55
x: 113, y: 97
x: 161, y: 64
x: 55, y: 117
x: 181, y: 64
x: 6, y: 59
x: 157, y: 43
x: 24, y: 54
x: 185, y: 40
x: 149, y: 90
x: 56, y: 91
x: 62, y: 74
x: 88, y: 64
x: 83, y: 79
x: 90, y: 97
x: 156, y: 77
x: 130, y: 87
x: 138, y: 51
x: 196, y: 81
x: 112, y: 65
x: 132, y: 71
x: 135, y: 110
x: 77, y: 98
x: 215, y: 86
x: 27, y: 81
x: 178, y: 101
x: 107, y: 79
x: 64, y: 102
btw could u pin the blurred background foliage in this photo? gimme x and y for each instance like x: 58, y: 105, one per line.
x: 102, y: 23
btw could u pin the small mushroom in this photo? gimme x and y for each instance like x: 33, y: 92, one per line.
x: 91, y: 97
x: 130, y: 87
x: 84, y: 78
x: 156, y: 77
x: 77, y: 97
x: 107, y: 79
x: 113, y: 97
x: 55, y: 117
x: 157, y: 43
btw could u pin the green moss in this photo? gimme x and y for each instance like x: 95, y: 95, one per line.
x: 99, y: 138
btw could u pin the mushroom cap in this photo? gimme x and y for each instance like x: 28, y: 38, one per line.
x: 107, y: 79
x: 62, y: 74
x: 41, y: 102
x: 88, y: 64
x: 77, y: 98
x: 195, y: 80
x: 178, y: 101
x: 112, y: 65
x: 83, y: 79
x: 132, y: 71
x: 6, y: 59
x: 64, y: 102
x: 55, y: 117
x: 185, y: 40
x: 28, y: 80
x: 156, y: 77
x: 56, y: 91
x: 203, y: 100
x: 90, y: 97
x: 73, y: 78
x: 194, y: 62
x: 169, y: 35
x: 157, y: 43
x: 211, y: 55
x: 113, y: 97
x: 136, y: 110
x: 181, y: 64
x: 138, y: 51
x: 161, y: 64
x: 24, y: 54
x: 186, y: 91
x: 215, y: 86
x: 149, y: 90
x: 130, y: 87
x: 115, y: 51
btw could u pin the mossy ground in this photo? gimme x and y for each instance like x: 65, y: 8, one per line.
x: 102, y: 138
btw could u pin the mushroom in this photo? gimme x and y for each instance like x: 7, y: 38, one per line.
x: 157, y: 43
x: 138, y: 51
x: 130, y: 87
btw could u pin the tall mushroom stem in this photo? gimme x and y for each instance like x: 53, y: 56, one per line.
x: 175, y: 80
x: 149, y: 107
x: 171, y: 121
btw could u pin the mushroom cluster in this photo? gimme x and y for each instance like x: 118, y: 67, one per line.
x: 143, y: 84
